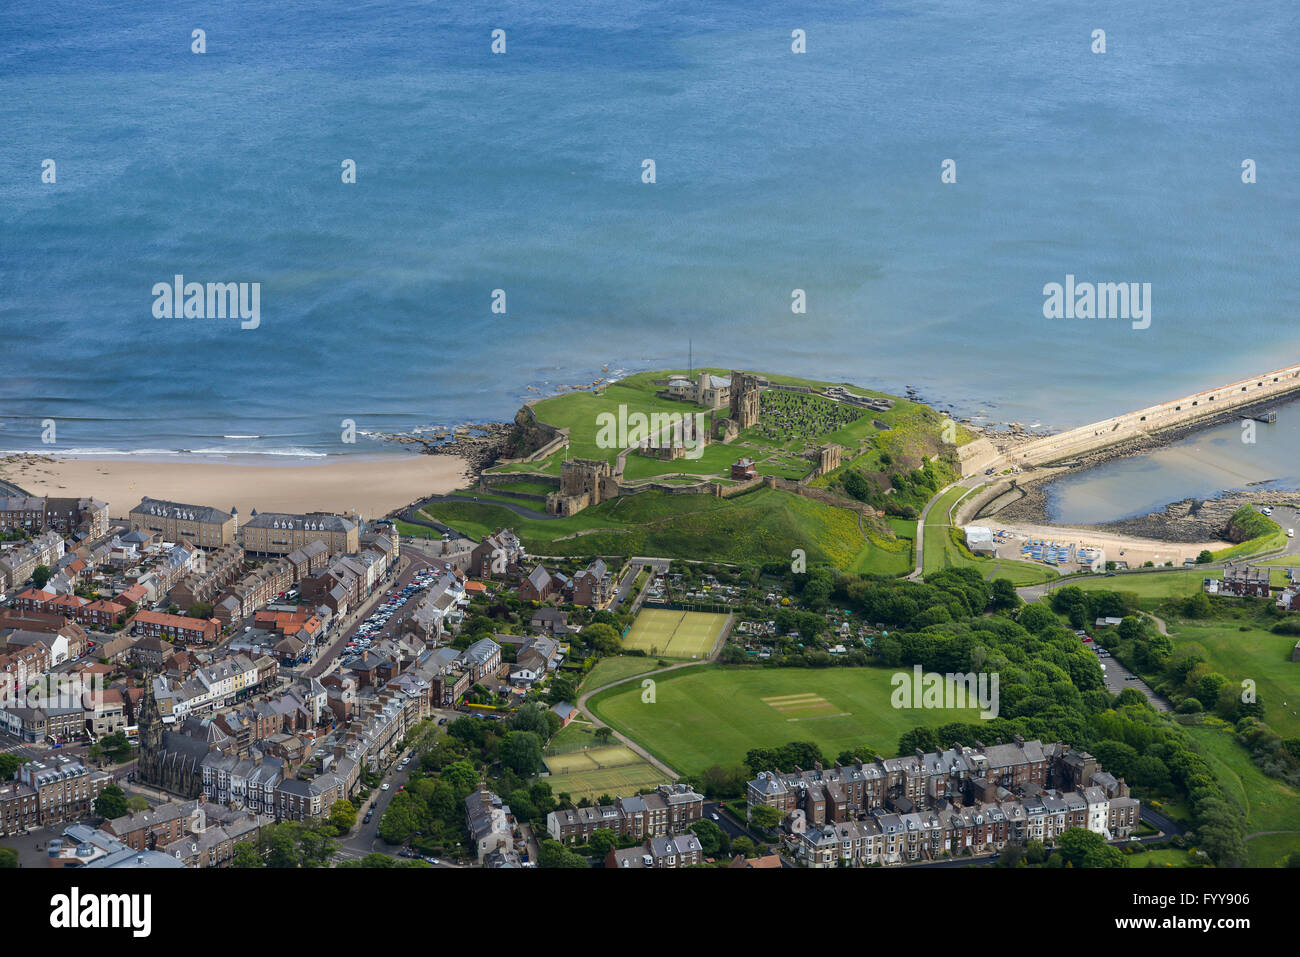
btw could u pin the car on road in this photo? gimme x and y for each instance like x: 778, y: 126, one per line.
x: 384, y: 786
x: 432, y: 860
x: 715, y: 816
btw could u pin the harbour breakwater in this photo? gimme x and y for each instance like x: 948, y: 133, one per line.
x: 1196, y: 409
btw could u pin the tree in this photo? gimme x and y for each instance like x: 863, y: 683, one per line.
x: 560, y: 689
x: 1205, y: 557
x: 1004, y: 596
x: 1080, y: 847
x: 533, y: 716
x: 111, y: 802
x: 135, y: 804
x: 743, y: 846
x: 601, y: 840
x: 521, y: 752
x: 1011, y: 855
x: 343, y: 815
x: 279, y: 846
x: 1131, y: 628
x: 462, y: 778
x: 246, y: 855
x: 856, y: 484
x: 315, y: 846
x: 40, y: 575
x: 554, y: 854
x: 763, y: 816
x: 1036, y: 618
x: 720, y: 781
x: 467, y: 730
x: 400, y: 820
x: 713, y: 840
x: 603, y: 734
x: 603, y: 638
x: 9, y: 765
x: 117, y: 746
x: 1198, y: 606
x: 8, y: 858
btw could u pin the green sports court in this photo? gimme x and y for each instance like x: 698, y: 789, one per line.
x: 674, y: 634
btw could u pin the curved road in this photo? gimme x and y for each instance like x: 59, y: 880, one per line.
x: 581, y: 704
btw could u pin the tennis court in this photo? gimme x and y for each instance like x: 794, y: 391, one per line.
x: 614, y: 770
x: 674, y: 634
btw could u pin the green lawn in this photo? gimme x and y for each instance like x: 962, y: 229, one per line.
x: 757, y: 526
x: 1166, y: 857
x: 608, y: 670
x: 715, y: 714
x: 577, y: 735
x: 1152, y: 587
x: 533, y: 488
x: 881, y: 557
x: 580, y: 412
x: 715, y: 459
x: 549, y: 466
x: 1268, y: 804
x: 1257, y: 654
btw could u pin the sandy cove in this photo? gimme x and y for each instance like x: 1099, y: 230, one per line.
x: 372, y: 485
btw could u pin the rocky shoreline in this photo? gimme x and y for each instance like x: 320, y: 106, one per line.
x: 480, y: 445
x: 1188, y: 520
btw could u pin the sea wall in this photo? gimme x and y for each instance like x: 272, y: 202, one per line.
x: 974, y: 457
x: 1166, y: 415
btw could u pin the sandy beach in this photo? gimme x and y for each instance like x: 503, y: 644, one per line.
x: 1117, y: 546
x: 371, y: 485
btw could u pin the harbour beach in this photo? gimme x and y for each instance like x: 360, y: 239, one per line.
x: 370, y: 485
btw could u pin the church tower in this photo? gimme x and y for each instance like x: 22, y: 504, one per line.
x: 150, y: 724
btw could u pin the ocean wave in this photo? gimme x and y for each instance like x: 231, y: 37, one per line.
x: 153, y: 453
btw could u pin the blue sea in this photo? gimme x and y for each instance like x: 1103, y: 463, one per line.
x: 522, y: 172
